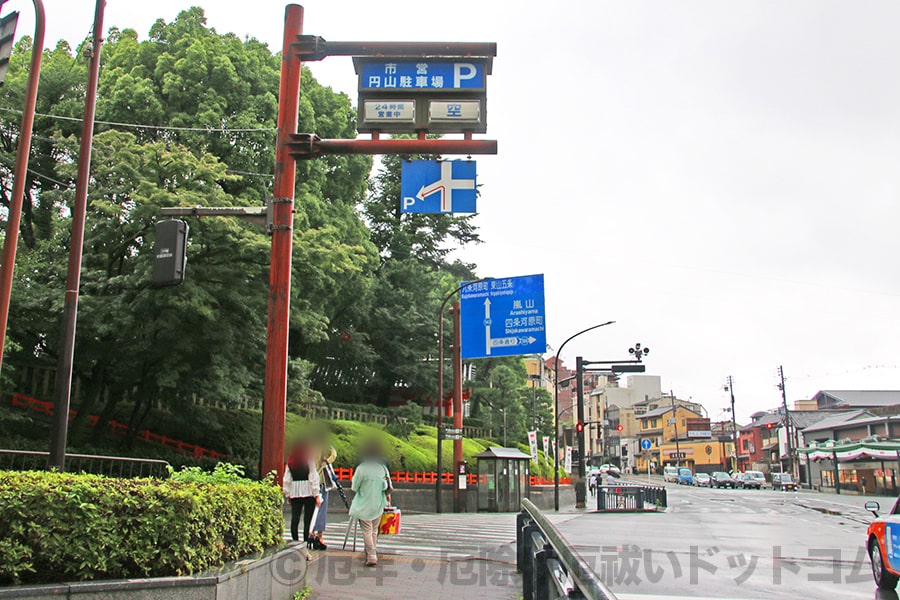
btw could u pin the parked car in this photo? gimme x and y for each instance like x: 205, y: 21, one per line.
x: 721, y: 479
x: 670, y: 474
x: 702, y: 480
x: 883, y: 551
x: 758, y: 476
x: 748, y: 482
x: 784, y: 482
x: 685, y: 476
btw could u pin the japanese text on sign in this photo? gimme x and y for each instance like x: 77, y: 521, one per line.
x: 422, y: 75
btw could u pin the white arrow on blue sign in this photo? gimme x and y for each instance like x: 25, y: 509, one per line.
x: 503, y: 317
x: 432, y: 186
x: 646, y: 444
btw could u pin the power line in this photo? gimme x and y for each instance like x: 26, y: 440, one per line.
x: 36, y: 174
x: 157, y: 127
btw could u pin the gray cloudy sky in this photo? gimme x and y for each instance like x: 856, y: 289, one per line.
x: 720, y: 178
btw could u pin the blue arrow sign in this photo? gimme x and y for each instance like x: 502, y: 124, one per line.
x: 646, y: 444
x: 503, y: 317
x: 432, y: 186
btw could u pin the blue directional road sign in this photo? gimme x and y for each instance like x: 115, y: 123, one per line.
x: 432, y: 186
x: 503, y: 317
x: 646, y: 444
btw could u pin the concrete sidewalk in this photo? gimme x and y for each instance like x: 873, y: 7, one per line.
x: 342, y: 575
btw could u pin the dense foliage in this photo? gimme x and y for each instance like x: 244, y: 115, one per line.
x: 60, y: 527
x: 186, y: 117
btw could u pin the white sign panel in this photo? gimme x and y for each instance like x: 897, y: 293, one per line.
x: 466, y: 111
x: 393, y: 111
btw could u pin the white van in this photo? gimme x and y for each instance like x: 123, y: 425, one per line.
x: 670, y: 474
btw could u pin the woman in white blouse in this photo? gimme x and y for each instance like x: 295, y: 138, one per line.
x: 301, y: 485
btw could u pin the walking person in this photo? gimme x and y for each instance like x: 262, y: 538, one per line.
x: 327, y: 478
x: 301, y: 485
x: 372, y: 484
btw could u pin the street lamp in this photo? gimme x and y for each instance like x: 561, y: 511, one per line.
x: 441, y: 385
x: 556, y: 410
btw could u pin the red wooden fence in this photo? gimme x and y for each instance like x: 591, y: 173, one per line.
x: 46, y: 408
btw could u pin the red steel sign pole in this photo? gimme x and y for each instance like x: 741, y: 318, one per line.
x: 275, y: 396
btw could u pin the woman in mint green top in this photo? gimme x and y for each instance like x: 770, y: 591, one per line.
x: 372, y: 484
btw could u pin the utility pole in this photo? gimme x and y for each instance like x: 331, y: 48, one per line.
x: 734, y: 432
x: 788, y: 422
x: 675, y: 421
x: 62, y: 391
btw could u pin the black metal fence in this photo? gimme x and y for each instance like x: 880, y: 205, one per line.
x: 111, y: 466
x: 550, y: 567
x: 630, y: 497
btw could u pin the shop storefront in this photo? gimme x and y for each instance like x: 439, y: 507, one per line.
x: 860, y: 467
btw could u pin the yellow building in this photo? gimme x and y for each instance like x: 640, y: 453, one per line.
x: 679, y: 435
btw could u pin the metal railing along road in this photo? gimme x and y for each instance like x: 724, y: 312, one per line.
x: 630, y: 497
x: 550, y: 566
x: 111, y: 466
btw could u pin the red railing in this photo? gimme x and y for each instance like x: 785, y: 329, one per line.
x: 46, y: 408
x: 431, y: 477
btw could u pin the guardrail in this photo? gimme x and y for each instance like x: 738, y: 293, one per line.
x: 630, y: 497
x: 550, y: 567
x: 447, y: 477
x: 111, y: 466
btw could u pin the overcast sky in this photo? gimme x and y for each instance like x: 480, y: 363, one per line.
x: 720, y: 178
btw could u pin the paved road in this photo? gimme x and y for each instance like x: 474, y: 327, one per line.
x: 735, y: 544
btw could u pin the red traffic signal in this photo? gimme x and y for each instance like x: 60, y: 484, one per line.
x: 579, y: 427
x: 768, y: 426
x: 619, y: 427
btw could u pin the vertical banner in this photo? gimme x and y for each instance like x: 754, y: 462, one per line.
x: 567, y: 467
x: 556, y: 453
x: 547, y: 450
x: 532, y: 443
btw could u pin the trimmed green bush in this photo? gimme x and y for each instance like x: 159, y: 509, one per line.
x: 62, y: 527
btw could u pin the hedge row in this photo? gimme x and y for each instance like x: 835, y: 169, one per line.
x: 63, y: 527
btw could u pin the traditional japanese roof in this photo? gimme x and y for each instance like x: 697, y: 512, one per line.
x: 662, y: 410
x: 836, y: 420
x: 495, y: 452
x: 762, y: 420
x: 856, y: 398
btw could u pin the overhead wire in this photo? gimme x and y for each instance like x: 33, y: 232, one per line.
x: 208, y: 129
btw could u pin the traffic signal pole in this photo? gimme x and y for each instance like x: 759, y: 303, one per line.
x: 580, y: 487
x: 62, y: 392
x: 275, y: 395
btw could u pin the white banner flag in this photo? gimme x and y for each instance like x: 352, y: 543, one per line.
x: 532, y: 443
x: 555, y: 453
x: 547, y: 450
x: 567, y: 467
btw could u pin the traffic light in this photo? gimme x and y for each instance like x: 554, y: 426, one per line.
x: 619, y: 427
x: 7, y: 36
x: 169, y: 252
x: 768, y: 426
x: 579, y: 427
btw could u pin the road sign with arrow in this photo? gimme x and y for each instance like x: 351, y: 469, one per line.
x: 432, y: 186
x: 503, y: 317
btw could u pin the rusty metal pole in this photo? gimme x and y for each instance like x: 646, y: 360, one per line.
x: 62, y: 391
x: 10, y: 242
x: 438, y: 505
x: 275, y: 396
x: 457, y: 402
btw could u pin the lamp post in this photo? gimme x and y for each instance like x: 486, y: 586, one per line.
x: 440, y: 398
x: 556, y: 410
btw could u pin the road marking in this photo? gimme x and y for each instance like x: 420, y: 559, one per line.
x: 622, y: 596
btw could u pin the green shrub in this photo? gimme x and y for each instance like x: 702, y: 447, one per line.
x: 61, y: 527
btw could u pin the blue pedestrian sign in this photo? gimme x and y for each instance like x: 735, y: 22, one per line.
x: 646, y: 444
x: 433, y: 186
x: 503, y: 317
